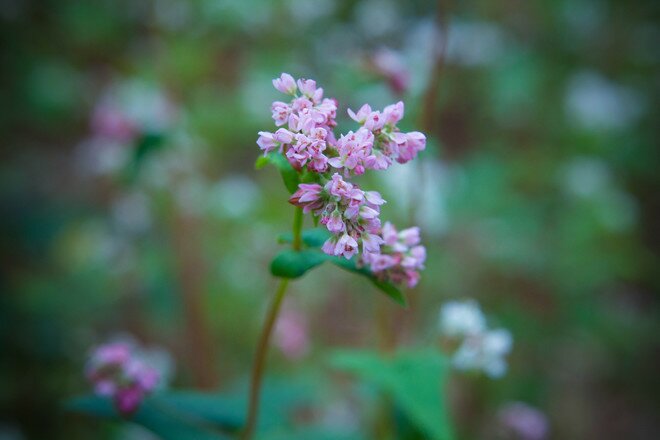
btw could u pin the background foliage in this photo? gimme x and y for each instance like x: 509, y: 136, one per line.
x: 538, y: 196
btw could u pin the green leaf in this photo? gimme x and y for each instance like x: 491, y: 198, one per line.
x: 294, y: 264
x: 156, y: 415
x: 387, y: 288
x: 261, y: 162
x: 195, y: 415
x: 415, y: 380
x: 146, y: 144
x: 311, y: 237
x: 314, y: 238
x: 290, y: 176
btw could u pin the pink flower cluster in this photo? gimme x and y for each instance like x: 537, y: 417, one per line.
x: 348, y: 212
x: 401, y: 256
x: 309, y: 119
x: 115, y: 370
x: 388, y: 142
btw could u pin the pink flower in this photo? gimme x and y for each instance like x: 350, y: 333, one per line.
x: 267, y: 142
x: 523, y: 421
x: 329, y: 246
x: 302, y: 103
x: 337, y: 187
x: 411, y: 278
x: 346, y: 246
x: 281, y: 112
x: 308, y: 197
x: 374, y: 121
x: 374, y: 198
x: 361, y: 116
x: 117, y: 371
x: 109, y: 121
x: 285, y: 84
x: 371, y: 243
x: 415, y: 142
x: 389, y: 234
x: 283, y: 136
x: 291, y: 334
x: 308, y: 88
x: 127, y: 400
x: 390, y: 65
x: 328, y: 108
x: 383, y: 262
x: 335, y: 223
x: 410, y: 236
x: 400, y: 256
x: 377, y: 161
x: 393, y: 113
x: 353, y: 148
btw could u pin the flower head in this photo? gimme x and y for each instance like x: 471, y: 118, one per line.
x: 119, y: 370
x: 306, y: 139
x: 285, y: 84
x: 400, y: 258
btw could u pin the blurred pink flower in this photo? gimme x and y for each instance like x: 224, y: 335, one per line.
x: 118, y: 371
x: 523, y: 421
x: 291, y: 333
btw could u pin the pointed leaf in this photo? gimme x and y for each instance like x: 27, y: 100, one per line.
x: 157, y: 416
x: 290, y: 176
x: 415, y: 380
x: 294, y: 264
x: 387, y: 288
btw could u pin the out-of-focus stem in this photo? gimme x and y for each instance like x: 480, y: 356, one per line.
x: 259, y: 364
x: 260, y: 360
x: 383, y: 428
x: 297, y: 229
x: 199, y: 343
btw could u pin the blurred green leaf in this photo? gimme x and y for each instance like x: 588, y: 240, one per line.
x: 155, y: 414
x: 387, y: 288
x: 294, y: 264
x: 290, y: 176
x: 146, y: 144
x: 315, y: 238
x: 415, y: 380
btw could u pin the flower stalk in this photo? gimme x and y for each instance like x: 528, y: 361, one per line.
x: 264, y: 340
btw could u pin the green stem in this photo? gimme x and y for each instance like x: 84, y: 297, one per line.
x: 262, y: 348
x: 297, y: 229
x: 260, y: 360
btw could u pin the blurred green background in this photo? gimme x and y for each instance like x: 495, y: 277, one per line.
x: 537, y: 195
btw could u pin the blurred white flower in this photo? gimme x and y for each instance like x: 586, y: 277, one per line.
x: 100, y: 157
x: 474, y: 43
x: 234, y: 196
x: 485, y: 351
x: 480, y: 348
x: 591, y: 178
x: 461, y: 318
x: 585, y: 176
x: 377, y: 18
x: 305, y: 11
x: 597, y: 103
x: 131, y: 212
x: 191, y: 195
